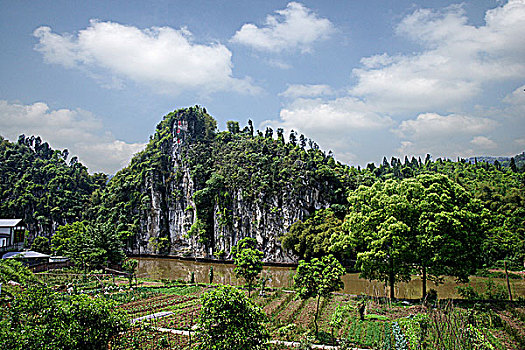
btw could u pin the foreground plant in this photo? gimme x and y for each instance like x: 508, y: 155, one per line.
x: 248, y: 261
x: 230, y: 321
x: 318, y: 278
x: 38, y: 318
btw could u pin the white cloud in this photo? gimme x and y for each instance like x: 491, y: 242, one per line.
x: 445, y: 135
x: 278, y: 64
x: 299, y: 90
x: 335, y: 124
x: 516, y: 98
x: 456, y: 61
x: 161, y: 57
x: 342, y: 113
x: 483, y: 142
x: 430, y: 125
x: 77, y: 130
x: 295, y: 27
x: 520, y: 142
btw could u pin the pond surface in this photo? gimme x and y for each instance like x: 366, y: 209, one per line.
x: 282, y: 277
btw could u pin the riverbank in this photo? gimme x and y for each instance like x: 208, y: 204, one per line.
x: 207, y: 260
x: 282, y: 277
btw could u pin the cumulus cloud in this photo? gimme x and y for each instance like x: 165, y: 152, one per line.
x: 483, y: 142
x: 342, y: 113
x: 295, y: 27
x: 433, y: 87
x: 162, y: 57
x: 77, y: 130
x: 335, y: 124
x: 445, y: 135
x: 455, y: 62
x: 429, y: 125
x: 306, y: 90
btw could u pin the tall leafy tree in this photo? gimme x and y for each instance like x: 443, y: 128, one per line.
x: 449, y: 231
x: 318, y: 278
x: 428, y: 222
x: 378, y: 230
x: 247, y: 260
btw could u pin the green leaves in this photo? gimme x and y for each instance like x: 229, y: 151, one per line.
x: 247, y: 260
x: 428, y: 222
x: 314, y: 237
x: 40, y: 318
x: 229, y: 320
x: 89, y: 246
x: 319, y: 277
x: 38, y: 185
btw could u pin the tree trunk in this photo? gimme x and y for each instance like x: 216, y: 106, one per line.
x: 424, y: 280
x: 391, y: 279
x: 315, y: 317
x: 508, y: 283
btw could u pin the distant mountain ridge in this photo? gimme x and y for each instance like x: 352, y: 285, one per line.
x: 504, y: 161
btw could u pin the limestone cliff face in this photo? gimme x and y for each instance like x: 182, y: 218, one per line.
x: 190, y: 215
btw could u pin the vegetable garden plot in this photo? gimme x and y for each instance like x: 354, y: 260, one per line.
x: 142, y: 338
x: 156, y: 304
x: 291, y: 318
x: 182, y: 319
x: 278, y: 304
x: 263, y: 301
x: 291, y: 309
x: 305, y: 316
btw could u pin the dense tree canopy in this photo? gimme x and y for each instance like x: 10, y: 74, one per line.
x: 314, y: 237
x: 428, y: 222
x: 42, y: 186
x: 88, y: 245
x: 39, y: 318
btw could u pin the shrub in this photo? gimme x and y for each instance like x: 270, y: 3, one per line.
x: 229, y: 320
x: 38, y: 318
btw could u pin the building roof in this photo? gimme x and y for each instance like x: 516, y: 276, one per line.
x: 24, y: 255
x: 10, y: 222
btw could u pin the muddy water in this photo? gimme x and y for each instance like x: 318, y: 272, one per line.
x: 282, y: 277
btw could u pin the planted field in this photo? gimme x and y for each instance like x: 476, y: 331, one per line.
x: 156, y: 304
x: 385, y: 325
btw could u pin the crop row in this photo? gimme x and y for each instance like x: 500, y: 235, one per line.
x: 152, y: 306
x: 183, y: 319
x: 148, y: 339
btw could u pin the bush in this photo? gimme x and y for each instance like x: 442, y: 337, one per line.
x: 38, y: 318
x: 230, y: 321
x: 12, y: 270
x: 41, y: 245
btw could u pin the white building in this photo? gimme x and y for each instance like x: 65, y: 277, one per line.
x: 12, y: 233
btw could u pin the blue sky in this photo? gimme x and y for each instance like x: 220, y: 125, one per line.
x: 365, y: 79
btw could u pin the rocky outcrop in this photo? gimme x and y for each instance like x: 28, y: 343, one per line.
x: 176, y: 224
